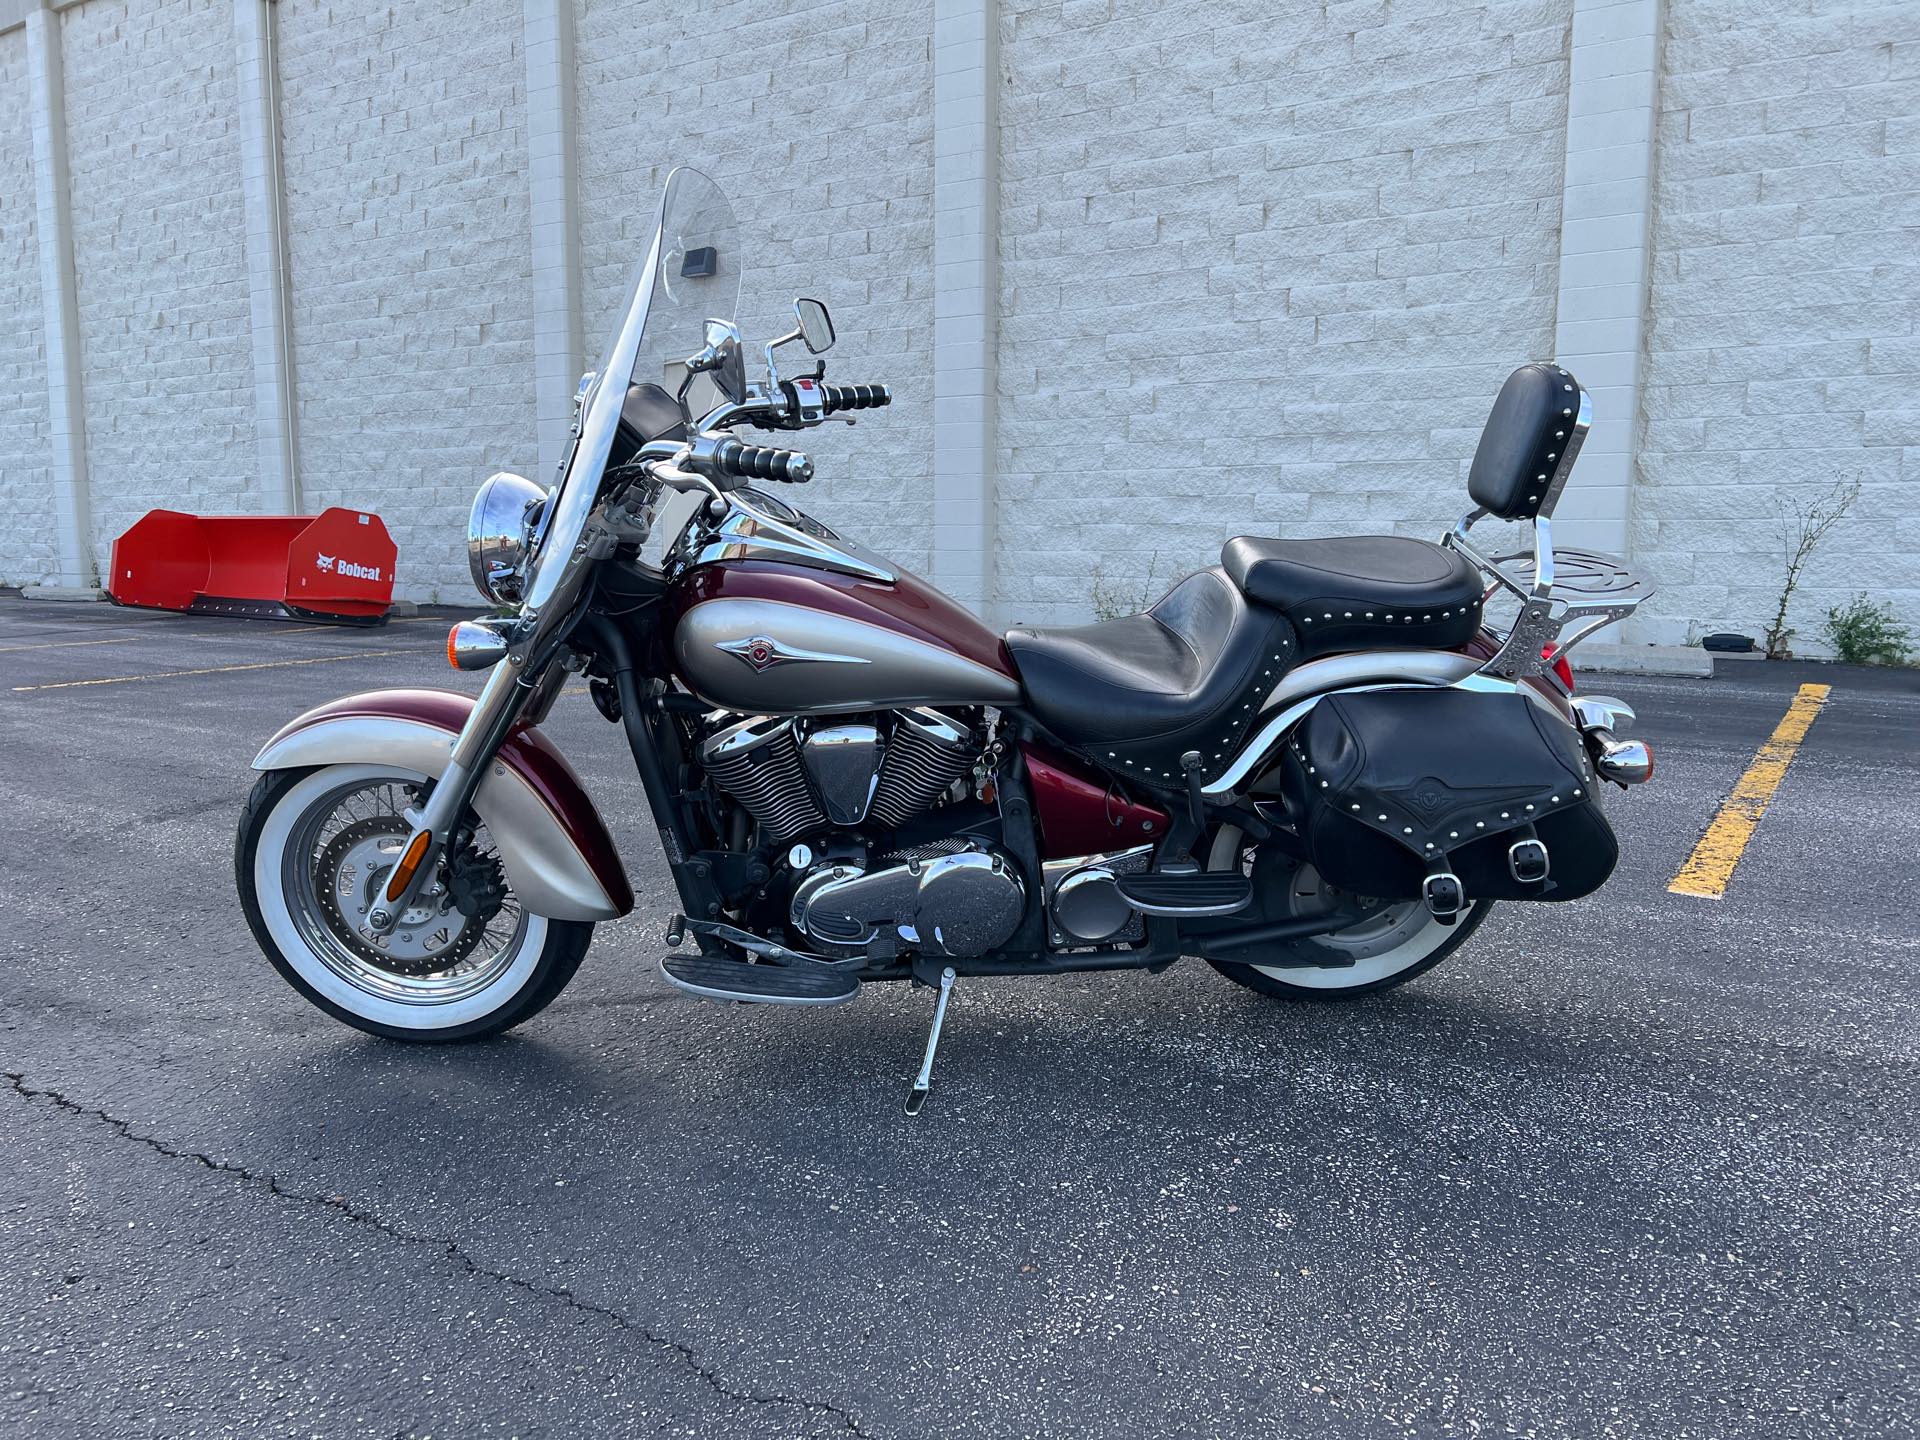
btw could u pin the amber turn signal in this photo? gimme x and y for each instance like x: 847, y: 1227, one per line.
x: 475, y: 645
x: 410, y: 862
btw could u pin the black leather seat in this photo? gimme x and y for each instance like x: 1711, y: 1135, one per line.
x: 1139, y: 692
x: 1362, y: 592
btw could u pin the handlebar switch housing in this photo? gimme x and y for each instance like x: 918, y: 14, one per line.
x: 806, y: 400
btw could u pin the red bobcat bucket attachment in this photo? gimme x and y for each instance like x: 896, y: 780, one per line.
x: 337, y: 565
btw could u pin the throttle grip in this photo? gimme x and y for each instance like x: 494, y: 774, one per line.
x: 855, y: 397
x: 763, y: 462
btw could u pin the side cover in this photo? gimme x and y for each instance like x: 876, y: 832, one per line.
x: 1385, y: 785
x: 558, y: 856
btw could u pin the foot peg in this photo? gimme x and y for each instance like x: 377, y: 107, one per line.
x: 1446, y: 897
x: 923, y: 1082
x: 1209, y: 893
x: 1527, y: 859
x: 717, y: 978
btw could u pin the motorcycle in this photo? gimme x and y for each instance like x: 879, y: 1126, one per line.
x: 1317, y: 765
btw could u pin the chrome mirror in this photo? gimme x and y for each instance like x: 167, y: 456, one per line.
x: 816, y: 325
x: 721, y: 357
x: 720, y: 341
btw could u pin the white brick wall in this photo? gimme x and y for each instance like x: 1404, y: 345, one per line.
x: 153, y: 161
x: 27, y: 550
x: 816, y: 120
x: 1785, y: 343
x: 1258, y: 268
x: 1262, y: 271
x: 405, y: 148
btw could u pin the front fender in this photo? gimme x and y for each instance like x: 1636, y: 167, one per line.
x: 558, y: 856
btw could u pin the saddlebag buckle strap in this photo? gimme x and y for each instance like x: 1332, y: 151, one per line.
x: 1528, y: 860
x: 1445, y: 896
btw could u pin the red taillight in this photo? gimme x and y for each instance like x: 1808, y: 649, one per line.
x: 1560, y: 666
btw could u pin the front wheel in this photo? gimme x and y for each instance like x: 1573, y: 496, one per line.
x: 314, y: 847
x: 1387, y: 948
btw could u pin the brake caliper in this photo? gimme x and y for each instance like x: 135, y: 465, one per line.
x: 478, y: 882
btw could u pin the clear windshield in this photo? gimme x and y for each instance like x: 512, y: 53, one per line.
x: 696, y: 278
x: 690, y: 274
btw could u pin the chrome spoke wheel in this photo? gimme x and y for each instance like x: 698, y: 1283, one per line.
x: 341, y: 849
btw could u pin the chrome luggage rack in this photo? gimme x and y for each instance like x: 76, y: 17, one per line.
x: 1565, y: 595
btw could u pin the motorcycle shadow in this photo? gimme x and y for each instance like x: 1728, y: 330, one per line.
x: 1104, y: 1043
x: 1161, y: 1090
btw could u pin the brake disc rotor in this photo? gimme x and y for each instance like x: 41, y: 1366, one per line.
x: 431, y: 935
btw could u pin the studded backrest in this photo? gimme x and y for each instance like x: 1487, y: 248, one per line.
x: 1525, y: 442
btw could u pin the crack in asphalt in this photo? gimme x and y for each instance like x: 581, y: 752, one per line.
x: 345, y: 1208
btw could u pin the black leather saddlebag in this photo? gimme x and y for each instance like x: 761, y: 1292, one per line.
x: 1389, y: 786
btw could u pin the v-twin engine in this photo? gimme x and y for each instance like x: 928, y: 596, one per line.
x: 795, y: 777
x: 869, y: 776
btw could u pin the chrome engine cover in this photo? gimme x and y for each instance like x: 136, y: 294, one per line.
x: 965, y: 904
x: 844, y: 762
x: 1084, y: 904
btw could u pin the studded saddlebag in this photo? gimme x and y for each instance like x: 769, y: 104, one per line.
x: 1389, y: 786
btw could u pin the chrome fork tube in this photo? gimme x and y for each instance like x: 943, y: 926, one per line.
x: 501, y: 702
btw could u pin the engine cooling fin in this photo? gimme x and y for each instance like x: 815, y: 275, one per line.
x: 757, y: 761
x: 794, y: 776
x: 926, y: 753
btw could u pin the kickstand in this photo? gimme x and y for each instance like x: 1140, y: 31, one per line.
x: 923, y: 1082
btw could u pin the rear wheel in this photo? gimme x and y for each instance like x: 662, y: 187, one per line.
x: 314, y: 847
x: 1388, y: 947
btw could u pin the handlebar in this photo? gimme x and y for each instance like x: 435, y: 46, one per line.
x: 762, y: 462
x: 855, y: 397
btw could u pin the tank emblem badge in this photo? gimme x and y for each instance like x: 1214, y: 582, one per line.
x: 763, y: 653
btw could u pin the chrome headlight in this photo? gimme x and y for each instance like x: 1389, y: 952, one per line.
x: 503, y: 517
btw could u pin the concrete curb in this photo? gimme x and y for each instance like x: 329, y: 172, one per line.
x: 62, y: 592
x: 1684, y: 660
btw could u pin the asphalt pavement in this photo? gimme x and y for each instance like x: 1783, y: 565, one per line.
x: 1640, y: 1165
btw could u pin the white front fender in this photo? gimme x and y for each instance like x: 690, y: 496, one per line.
x: 557, y: 854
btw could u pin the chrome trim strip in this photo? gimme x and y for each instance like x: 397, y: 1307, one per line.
x: 750, y: 533
x: 1369, y: 667
x: 1303, y: 687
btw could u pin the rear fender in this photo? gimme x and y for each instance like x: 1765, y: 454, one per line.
x: 558, y: 856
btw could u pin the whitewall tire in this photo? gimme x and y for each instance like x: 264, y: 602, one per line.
x: 312, y: 847
x: 1385, y: 950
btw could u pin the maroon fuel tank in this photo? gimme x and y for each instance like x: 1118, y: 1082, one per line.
x: 769, y: 638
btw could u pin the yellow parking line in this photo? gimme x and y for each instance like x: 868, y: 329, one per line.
x: 1710, y: 867
x: 66, y: 644
x: 216, y: 670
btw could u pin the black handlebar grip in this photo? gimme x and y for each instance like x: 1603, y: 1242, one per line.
x: 757, y: 462
x: 856, y: 397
